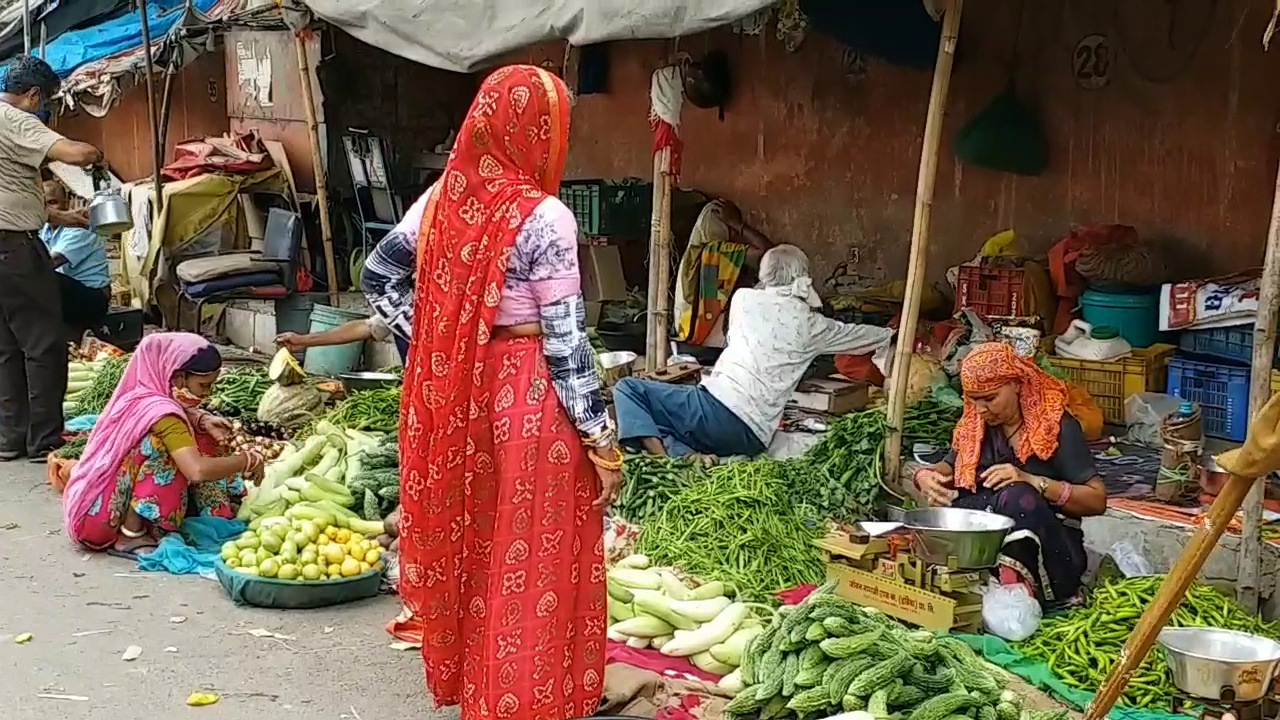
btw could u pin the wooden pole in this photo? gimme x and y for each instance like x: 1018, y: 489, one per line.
x: 659, y: 321
x: 920, y: 234
x: 1170, y: 594
x: 322, y: 191
x: 157, y: 149
x: 1264, y: 349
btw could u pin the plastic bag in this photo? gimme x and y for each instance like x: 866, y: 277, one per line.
x: 1144, y: 413
x: 1010, y: 611
x: 1129, y: 561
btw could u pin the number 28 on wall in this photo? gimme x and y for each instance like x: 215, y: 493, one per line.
x: 1091, y: 62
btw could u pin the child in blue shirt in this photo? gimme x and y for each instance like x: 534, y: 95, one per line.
x: 80, y: 257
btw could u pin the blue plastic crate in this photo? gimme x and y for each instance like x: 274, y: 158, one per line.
x: 1227, y: 343
x: 1222, y: 391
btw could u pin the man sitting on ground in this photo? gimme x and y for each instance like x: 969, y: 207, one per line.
x: 80, y: 257
x: 773, y: 335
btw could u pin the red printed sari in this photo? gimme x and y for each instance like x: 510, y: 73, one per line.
x: 500, y: 547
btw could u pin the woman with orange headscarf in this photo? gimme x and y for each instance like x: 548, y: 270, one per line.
x: 1017, y: 451
x: 508, y: 457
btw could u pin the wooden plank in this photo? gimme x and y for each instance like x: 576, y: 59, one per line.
x: 322, y: 192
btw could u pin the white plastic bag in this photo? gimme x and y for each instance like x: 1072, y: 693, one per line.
x: 1129, y: 561
x: 1144, y: 413
x: 1010, y: 611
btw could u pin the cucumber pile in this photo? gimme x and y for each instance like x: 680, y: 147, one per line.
x: 828, y: 655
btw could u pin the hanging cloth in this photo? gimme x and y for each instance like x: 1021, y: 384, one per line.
x: 1006, y: 136
x: 593, y: 69
x: 900, y: 33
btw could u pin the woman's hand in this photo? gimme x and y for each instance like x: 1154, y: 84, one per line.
x: 935, y: 486
x: 219, y: 427
x: 1004, y: 475
x: 610, y: 484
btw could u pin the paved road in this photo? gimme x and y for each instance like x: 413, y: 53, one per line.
x: 336, y: 664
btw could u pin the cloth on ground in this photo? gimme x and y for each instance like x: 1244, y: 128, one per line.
x: 193, y: 551
x: 82, y: 423
x: 659, y: 689
x: 1000, y: 653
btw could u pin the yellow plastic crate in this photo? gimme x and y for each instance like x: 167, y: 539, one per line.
x: 1275, y: 382
x: 1111, y: 382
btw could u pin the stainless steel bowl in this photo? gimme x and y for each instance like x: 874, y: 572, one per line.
x: 356, y: 381
x: 972, y: 537
x: 1220, y: 664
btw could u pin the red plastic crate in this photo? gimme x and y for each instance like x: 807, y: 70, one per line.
x: 993, y: 291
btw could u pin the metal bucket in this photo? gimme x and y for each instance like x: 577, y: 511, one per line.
x: 1219, y: 664
x: 972, y: 537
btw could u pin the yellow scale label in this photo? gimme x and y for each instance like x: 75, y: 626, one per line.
x: 886, y: 593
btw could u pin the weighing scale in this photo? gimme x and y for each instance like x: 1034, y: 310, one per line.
x: 1222, y: 674
x: 879, y: 570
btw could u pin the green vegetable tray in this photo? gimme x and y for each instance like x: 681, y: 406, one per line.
x: 293, y: 594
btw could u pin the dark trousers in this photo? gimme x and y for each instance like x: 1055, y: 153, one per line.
x: 33, y: 350
x: 83, y: 307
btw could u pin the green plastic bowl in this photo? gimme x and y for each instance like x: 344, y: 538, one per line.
x: 295, y: 594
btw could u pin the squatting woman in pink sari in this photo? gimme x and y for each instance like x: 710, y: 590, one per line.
x: 151, y: 459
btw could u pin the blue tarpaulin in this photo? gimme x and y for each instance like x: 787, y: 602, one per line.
x: 76, y: 48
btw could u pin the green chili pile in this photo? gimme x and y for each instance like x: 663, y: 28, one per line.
x: 739, y: 525
x: 650, y: 482
x: 842, y: 475
x: 1081, y: 646
x: 239, y: 390
x: 93, y: 399
x: 375, y: 409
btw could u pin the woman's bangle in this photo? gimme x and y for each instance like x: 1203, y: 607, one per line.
x: 603, y: 439
x: 614, y: 463
x: 1065, y: 496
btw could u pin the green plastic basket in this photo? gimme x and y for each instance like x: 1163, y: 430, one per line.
x: 294, y: 594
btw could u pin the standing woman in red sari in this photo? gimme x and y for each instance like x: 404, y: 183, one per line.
x: 508, y: 458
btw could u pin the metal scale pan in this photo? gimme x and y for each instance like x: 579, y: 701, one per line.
x: 1221, y: 666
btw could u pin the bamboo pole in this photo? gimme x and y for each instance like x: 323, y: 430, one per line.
x: 659, y: 315
x: 1264, y: 348
x: 157, y: 148
x: 1171, y: 592
x: 920, y: 233
x: 322, y: 192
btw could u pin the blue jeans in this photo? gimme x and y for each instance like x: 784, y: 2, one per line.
x: 686, y: 418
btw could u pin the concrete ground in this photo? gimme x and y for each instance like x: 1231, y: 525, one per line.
x: 84, y: 611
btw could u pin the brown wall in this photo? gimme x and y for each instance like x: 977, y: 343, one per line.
x: 198, y: 109
x: 829, y: 163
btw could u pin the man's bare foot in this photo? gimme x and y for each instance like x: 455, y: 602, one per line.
x: 705, y: 459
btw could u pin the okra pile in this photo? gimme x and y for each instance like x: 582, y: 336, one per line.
x: 828, y: 655
x: 1081, y: 645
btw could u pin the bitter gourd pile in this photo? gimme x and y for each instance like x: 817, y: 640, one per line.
x: 1080, y: 646
x: 828, y: 655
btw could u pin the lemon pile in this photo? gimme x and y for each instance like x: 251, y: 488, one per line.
x: 302, y: 550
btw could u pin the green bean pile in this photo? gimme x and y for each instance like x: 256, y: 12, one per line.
x: 841, y: 476
x: 739, y: 526
x: 374, y: 409
x: 73, y: 448
x: 650, y: 482
x: 1080, y: 646
x: 93, y: 400
x: 239, y: 390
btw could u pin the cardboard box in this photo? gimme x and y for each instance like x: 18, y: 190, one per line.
x: 601, y: 269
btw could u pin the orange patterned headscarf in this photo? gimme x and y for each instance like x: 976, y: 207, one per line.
x: 1042, y: 397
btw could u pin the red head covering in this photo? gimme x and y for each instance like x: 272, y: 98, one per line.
x: 508, y: 157
x: 1042, y: 398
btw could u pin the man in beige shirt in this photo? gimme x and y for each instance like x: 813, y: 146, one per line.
x: 33, y: 349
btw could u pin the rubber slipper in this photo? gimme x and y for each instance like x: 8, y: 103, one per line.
x: 131, y: 554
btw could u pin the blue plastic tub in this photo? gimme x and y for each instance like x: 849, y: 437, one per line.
x: 1136, y: 316
x: 332, y: 360
x: 1234, y: 343
x: 1222, y: 391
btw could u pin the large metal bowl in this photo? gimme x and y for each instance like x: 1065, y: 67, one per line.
x: 356, y: 381
x: 972, y: 537
x: 1220, y: 664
